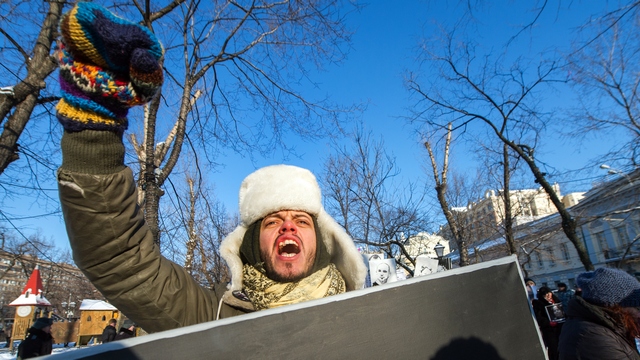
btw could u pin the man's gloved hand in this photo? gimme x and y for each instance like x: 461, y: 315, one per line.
x: 107, y: 65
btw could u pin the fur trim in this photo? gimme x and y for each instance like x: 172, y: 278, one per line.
x: 230, y: 252
x: 275, y: 188
x: 285, y: 187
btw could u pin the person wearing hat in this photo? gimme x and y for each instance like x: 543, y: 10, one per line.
x: 39, y: 341
x: 564, y: 294
x: 604, y: 322
x: 286, y: 250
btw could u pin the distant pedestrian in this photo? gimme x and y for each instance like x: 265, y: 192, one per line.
x: 549, y: 327
x: 604, y: 322
x: 128, y: 330
x: 39, y: 341
x: 531, y: 288
x: 7, y: 334
x: 109, y: 332
x: 564, y: 294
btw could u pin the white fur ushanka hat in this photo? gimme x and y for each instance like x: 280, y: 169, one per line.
x: 285, y: 187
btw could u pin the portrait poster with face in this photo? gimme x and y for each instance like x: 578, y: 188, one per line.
x: 382, y: 271
x: 555, y: 312
x: 367, y: 258
x: 425, y: 265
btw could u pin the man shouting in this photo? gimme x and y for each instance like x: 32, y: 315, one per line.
x: 287, y: 249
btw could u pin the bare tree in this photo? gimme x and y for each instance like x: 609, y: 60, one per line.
x: 60, y: 279
x: 441, y: 178
x: 360, y: 193
x: 27, y: 153
x: 605, y: 72
x: 232, y: 75
x: 194, y: 227
x: 27, y: 63
x: 469, y: 90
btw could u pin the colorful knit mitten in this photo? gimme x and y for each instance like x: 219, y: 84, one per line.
x: 107, y: 65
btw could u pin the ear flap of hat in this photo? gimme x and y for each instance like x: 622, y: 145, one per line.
x: 230, y: 252
x: 344, y: 253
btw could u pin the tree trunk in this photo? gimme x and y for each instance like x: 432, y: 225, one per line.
x: 152, y: 191
x: 568, y: 223
x: 508, y: 220
x: 191, y: 228
x: 26, y: 93
x: 441, y: 186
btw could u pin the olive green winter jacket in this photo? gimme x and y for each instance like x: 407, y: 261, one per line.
x: 113, y: 246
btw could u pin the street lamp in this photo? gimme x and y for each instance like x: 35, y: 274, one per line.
x: 68, y: 308
x: 612, y: 171
x: 439, y: 249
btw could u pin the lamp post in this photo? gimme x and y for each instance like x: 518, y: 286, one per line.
x: 68, y: 308
x: 612, y: 171
x: 439, y: 249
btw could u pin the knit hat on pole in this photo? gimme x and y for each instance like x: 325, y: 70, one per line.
x: 107, y: 65
x: 608, y: 287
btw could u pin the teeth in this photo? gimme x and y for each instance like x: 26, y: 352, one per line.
x: 282, y: 245
x: 287, y: 242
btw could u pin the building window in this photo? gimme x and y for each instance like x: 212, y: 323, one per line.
x: 564, y: 249
x: 602, y: 243
x: 537, y: 259
x: 622, y: 237
x: 552, y: 259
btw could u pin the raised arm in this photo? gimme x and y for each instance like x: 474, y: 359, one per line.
x: 107, y: 65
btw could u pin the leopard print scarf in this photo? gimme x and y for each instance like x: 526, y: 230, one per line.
x: 266, y: 293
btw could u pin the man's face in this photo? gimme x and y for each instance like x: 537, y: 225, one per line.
x: 288, y: 245
x: 383, y: 273
x: 47, y: 329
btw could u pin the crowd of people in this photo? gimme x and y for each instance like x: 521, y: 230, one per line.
x: 127, y: 330
x: 598, y: 320
x: 39, y: 341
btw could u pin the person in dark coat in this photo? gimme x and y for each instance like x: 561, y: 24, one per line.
x: 7, y: 334
x: 126, y: 331
x: 604, y: 322
x: 549, y: 328
x: 39, y: 341
x: 109, y: 332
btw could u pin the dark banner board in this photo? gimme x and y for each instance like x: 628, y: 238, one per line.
x: 476, y: 312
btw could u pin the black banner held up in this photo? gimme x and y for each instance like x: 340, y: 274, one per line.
x: 476, y: 312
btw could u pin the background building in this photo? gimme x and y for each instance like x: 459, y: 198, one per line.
x: 62, y: 283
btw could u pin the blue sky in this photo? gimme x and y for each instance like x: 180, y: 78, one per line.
x: 387, y: 34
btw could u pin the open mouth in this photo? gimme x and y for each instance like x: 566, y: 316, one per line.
x: 288, y: 248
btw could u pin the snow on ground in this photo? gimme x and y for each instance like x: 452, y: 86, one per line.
x: 5, y: 354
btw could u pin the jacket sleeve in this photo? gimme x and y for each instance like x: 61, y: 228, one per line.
x: 114, y: 248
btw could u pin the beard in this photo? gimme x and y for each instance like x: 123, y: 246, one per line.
x: 288, y: 275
